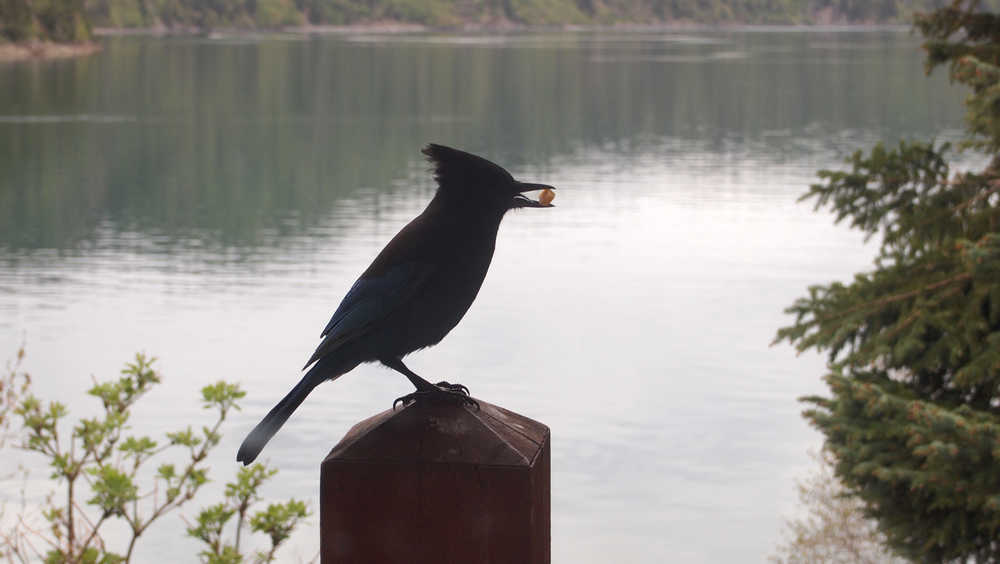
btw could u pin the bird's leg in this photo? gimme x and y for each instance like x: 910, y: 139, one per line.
x: 420, y: 383
x: 425, y: 390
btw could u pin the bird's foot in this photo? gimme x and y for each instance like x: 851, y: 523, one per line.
x: 452, y: 393
x: 453, y: 387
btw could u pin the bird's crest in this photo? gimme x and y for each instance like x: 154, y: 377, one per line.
x: 454, y: 169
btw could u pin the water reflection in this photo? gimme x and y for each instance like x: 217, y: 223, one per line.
x: 231, y: 143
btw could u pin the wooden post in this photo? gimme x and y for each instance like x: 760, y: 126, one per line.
x: 437, y: 483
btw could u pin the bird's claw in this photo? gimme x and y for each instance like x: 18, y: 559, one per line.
x: 453, y: 387
x: 439, y: 395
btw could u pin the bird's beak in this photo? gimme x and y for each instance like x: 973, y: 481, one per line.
x: 522, y: 201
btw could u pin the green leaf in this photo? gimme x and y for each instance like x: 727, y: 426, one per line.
x: 279, y: 519
x: 166, y: 472
x: 248, y: 480
x: 138, y: 446
x: 184, y: 437
x: 112, y: 489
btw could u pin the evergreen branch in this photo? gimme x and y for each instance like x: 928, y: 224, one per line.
x: 906, y: 322
x: 894, y: 298
x: 914, y: 414
x: 980, y: 195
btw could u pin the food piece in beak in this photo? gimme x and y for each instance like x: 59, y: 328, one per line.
x: 522, y: 201
x: 546, y: 197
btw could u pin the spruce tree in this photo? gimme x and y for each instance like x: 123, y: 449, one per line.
x: 913, y: 416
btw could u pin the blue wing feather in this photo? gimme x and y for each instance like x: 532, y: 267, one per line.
x: 368, y: 301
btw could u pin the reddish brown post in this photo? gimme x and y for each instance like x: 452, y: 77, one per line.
x: 433, y: 483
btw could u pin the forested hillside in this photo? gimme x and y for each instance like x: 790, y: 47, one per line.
x: 273, y: 13
x: 62, y: 21
x: 70, y: 20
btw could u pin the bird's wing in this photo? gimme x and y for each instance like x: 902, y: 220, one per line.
x: 370, y: 300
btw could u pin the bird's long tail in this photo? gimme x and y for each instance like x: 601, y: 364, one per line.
x: 273, y: 421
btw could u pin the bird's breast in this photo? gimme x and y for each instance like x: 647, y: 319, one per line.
x: 448, y: 294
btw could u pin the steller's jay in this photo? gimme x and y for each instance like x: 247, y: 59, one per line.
x: 417, y: 289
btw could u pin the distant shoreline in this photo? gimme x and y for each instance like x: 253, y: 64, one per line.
x: 396, y: 27
x: 46, y: 50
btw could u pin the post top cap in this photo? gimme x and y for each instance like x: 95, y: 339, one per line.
x: 444, y: 433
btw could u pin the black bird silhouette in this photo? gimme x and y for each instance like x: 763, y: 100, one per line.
x: 417, y: 289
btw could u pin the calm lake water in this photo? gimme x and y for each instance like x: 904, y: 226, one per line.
x: 210, y: 201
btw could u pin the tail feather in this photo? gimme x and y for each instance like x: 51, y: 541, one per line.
x: 262, y: 433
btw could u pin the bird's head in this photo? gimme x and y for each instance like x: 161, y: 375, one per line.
x: 475, y: 181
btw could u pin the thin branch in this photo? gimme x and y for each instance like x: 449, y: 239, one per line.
x: 22, y: 523
x: 239, y: 524
x: 270, y: 553
x: 131, y: 547
x: 15, y: 542
x: 83, y: 514
x: 70, y: 528
x: 93, y: 533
